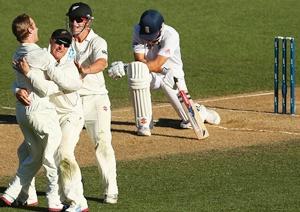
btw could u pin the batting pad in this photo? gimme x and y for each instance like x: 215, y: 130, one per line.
x: 139, y: 84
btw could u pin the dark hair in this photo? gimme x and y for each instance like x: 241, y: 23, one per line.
x: 20, y: 26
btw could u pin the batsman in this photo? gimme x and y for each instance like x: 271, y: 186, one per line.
x: 156, y: 48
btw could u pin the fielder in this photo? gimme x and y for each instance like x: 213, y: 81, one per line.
x: 91, y: 55
x: 157, y: 48
x: 69, y: 109
x: 38, y: 122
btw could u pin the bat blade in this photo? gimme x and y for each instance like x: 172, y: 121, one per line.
x: 193, y: 115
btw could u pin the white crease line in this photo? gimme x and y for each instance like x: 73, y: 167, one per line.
x: 257, y: 130
x: 205, y: 101
x: 7, y: 108
x: 238, y: 97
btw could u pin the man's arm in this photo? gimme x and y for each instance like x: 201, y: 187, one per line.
x: 37, y: 78
x: 62, y: 79
x: 155, y: 65
x: 98, y: 66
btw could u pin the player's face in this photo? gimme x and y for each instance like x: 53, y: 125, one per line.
x: 58, y: 49
x: 34, y: 30
x: 154, y: 41
x: 77, y: 24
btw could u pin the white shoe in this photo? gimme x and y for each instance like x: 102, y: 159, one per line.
x: 110, y: 198
x: 210, y: 116
x: 76, y: 208
x: 84, y: 206
x: 6, y: 201
x: 56, y: 207
x: 185, y: 125
x: 213, y: 117
x: 144, y: 131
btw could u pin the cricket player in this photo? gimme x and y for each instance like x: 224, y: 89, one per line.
x: 91, y: 55
x: 38, y: 122
x: 69, y: 109
x: 157, y: 45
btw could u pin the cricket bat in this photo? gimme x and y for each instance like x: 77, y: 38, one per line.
x: 191, y: 112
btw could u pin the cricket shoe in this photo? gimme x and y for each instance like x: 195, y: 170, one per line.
x: 5, y: 201
x: 77, y: 208
x: 209, y: 116
x: 144, y: 131
x: 57, y: 207
x: 110, y: 198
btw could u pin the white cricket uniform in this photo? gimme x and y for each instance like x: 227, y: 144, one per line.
x: 40, y: 126
x: 168, y: 46
x: 69, y: 109
x: 97, y: 108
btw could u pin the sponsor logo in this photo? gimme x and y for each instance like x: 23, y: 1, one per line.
x: 75, y: 7
x: 147, y: 29
x: 143, y: 121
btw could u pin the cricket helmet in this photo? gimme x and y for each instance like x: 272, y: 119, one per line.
x: 150, y: 24
x: 80, y: 9
x: 62, y: 35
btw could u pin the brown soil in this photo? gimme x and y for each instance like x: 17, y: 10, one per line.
x: 246, y: 120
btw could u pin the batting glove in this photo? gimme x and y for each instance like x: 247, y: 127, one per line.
x: 117, y: 70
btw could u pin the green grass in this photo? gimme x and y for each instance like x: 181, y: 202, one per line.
x: 227, y: 45
x: 227, y: 48
x: 258, y: 178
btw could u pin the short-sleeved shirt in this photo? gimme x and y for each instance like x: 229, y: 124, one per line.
x: 87, y: 52
x: 168, y: 46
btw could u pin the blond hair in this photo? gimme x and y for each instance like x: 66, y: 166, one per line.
x: 20, y: 26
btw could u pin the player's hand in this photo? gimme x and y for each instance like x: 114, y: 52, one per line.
x: 23, y: 96
x: 22, y: 66
x: 117, y: 70
x: 80, y: 69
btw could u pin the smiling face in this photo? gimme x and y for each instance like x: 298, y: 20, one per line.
x: 78, y: 25
x: 58, y: 49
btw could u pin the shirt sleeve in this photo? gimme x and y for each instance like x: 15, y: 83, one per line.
x: 42, y: 86
x: 99, y: 49
x: 62, y: 79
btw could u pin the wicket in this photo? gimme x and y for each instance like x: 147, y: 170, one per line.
x: 284, y: 74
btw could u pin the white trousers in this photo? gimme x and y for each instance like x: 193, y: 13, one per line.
x: 166, y: 83
x: 97, y: 116
x: 40, y: 127
x: 70, y: 174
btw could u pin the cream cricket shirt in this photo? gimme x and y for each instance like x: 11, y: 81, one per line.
x: 168, y: 46
x: 64, y: 101
x: 86, y: 53
x: 38, y: 60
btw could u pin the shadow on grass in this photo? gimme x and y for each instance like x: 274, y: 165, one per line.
x: 8, y: 119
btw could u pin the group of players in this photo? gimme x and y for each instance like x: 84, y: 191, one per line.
x: 62, y: 88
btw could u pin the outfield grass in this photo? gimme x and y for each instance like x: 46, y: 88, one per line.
x: 227, y: 46
x: 258, y: 178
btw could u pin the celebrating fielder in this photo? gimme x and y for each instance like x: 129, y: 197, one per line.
x: 156, y: 48
x: 91, y: 54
